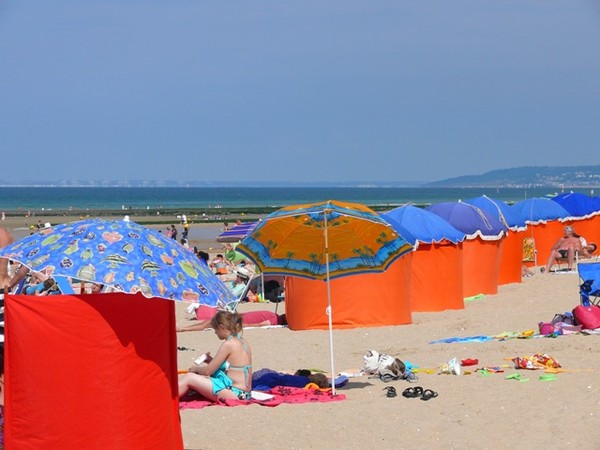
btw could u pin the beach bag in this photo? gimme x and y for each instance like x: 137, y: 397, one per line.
x: 587, y: 316
x: 566, y: 318
x: 547, y: 328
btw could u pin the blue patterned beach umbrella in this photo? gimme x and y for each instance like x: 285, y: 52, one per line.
x: 123, y: 255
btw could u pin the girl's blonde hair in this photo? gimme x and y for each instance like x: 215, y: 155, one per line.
x: 232, y: 321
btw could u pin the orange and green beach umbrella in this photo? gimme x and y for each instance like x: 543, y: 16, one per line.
x: 323, y: 241
x: 329, y: 239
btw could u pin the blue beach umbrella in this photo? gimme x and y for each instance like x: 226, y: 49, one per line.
x: 576, y: 204
x: 424, y: 225
x: 123, y: 255
x: 499, y: 209
x: 539, y: 210
x: 469, y: 219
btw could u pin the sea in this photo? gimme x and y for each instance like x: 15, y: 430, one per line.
x: 40, y: 199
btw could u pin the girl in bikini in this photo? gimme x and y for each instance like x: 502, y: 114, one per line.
x: 227, y: 375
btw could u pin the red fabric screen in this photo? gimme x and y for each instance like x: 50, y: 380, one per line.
x: 481, y: 261
x: 511, y: 258
x: 367, y: 300
x: 437, y: 278
x: 91, y: 371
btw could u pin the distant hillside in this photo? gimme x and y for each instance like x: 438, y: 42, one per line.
x: 528, y: 177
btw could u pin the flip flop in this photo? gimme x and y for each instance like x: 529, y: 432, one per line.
x: 517, y: 376
x: 391, y: 392
x: 412, y: 392
x: 428, y: 394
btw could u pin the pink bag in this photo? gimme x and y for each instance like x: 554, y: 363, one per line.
x: 546, y: 328
x: 587, y: 316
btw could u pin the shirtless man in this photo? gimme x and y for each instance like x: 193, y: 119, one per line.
x: 565, y: 247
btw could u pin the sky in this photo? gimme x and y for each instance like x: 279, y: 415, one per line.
x: 297, y: 91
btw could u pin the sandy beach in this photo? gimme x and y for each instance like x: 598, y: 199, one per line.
x: 470, y: 411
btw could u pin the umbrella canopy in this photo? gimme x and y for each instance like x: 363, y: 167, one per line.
x: 123, y: 255
x: 576, y: 204
x: 499, y: 209
x: 469, y: 219
x: 292, y: 241
x: 323, y: 241
x: 539, y: 210
x: 237, y: 232
x: 425, y: 226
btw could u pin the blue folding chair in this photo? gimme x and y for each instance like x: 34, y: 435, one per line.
x: 589, y: 289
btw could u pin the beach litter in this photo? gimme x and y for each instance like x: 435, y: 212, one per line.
x: 452, y: 367
x: 548, y: 377
x: 517, y: 376
x: 536, y: 361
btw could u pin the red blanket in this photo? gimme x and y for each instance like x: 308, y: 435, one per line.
x: 281, y: 394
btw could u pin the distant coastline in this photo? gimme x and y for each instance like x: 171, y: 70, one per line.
x: 575, y: 177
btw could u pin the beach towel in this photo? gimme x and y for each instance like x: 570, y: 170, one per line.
x: 280, y: 394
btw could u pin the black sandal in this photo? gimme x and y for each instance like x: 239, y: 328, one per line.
x: 413, y: 392
x: 428, y: 394
x: 391, y: 392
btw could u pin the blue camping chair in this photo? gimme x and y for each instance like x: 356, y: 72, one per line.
x: 589, y: 290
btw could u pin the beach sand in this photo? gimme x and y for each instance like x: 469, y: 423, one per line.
x: 201, y: 234
x: 471, y: 411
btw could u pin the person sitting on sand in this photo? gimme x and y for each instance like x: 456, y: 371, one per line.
x: 46, y: 287
x: 260, y: 318
x: 219, y: 265
x: 94, y: 288
x: 202, y: 256
x: 587, y: 250
x: 227, y: 375
x: 565, y: 247
x: 238, y: 286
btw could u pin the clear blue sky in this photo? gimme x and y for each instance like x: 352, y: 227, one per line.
x: 308, y: 91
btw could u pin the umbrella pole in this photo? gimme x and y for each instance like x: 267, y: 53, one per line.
x: 328, y: 310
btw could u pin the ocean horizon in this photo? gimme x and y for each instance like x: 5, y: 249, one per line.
x: 40, y: 199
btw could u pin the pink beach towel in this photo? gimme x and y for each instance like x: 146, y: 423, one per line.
x: 281, y: 394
